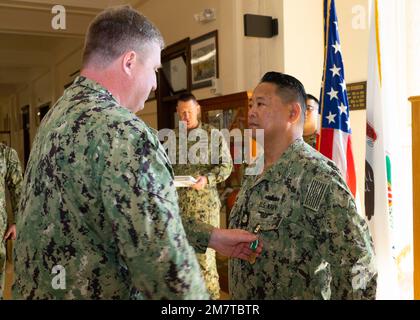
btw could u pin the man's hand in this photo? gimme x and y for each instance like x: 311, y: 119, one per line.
x: 10, y: 233
x: 201, y: 183
x: 234, y: 243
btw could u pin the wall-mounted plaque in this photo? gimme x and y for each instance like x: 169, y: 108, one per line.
x: 356, y: 93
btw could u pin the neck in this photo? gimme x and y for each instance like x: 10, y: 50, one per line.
x: 274, y: 149
x: 195, y: 126
x: 108, y: 79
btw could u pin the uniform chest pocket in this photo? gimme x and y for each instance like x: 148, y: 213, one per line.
x: 268, y: 221
x: 267, y: 213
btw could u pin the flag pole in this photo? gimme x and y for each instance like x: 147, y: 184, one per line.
x: 378, y: 42
x: 326, y: 33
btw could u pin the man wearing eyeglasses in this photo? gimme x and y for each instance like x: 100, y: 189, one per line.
x: 311, y: 120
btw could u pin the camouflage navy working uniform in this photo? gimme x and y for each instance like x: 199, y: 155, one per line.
x: 10, y: 178
x: 204, y: 205
x: 316, y: 246
x: 99, y: 200
x: 311, y: 140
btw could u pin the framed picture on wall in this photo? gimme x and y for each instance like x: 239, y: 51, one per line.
x: 204, y: 60
x: 175, y: 72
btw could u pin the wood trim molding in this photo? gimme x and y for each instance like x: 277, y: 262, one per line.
x: 32, y: 6
x: 415, y: 117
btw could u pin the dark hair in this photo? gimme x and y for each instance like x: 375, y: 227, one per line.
x: 289, y: 89
x: 311, y: 97
x: 187, y: 97
x: 117, y: 30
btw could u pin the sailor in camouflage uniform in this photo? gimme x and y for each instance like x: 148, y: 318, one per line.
x: 10, y: 178
x: 310, y: 139
x: 201, y: 201
x: 311, y: 120
x: 99, y: 215
x: 316, y: 245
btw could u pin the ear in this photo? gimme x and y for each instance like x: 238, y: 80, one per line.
x: 295, y: 112
x: 129, y: 61
x: 198, y: 111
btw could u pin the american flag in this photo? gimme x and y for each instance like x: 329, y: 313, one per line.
x: 334, y: 136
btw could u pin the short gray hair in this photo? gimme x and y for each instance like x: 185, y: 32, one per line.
x: 117, y: 30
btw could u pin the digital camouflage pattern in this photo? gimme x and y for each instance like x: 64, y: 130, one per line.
x: 316, y: 245
x: 311, y: 140
x: 11, y: 179
x: 99, y: 200
x: 204, y: 205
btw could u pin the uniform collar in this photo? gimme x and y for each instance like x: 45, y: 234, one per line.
x: 93, y: 85
x: 278, y: 170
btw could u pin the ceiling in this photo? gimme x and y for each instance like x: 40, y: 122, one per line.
x: 92, y: 4
x: 28, y: 43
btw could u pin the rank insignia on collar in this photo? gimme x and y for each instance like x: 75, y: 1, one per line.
x: 315, y: 194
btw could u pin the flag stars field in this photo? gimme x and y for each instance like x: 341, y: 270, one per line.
x: 337, y: 47
x: 331, y: 117
x: 342, y: 108
x: 343, y: 85
x: 333, y: 94
x: 335, y: 70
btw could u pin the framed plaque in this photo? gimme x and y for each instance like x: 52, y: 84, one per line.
x: 356, y: 93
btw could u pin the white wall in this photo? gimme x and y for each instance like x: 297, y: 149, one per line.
x: 413, y: 44
x: 260, y: 55
x: 303, y: 42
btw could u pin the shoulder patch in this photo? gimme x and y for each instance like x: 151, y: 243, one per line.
x: 315, y: 194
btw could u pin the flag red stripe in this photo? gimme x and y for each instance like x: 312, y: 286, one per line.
x: 327, y: 139
x: 351, y: 173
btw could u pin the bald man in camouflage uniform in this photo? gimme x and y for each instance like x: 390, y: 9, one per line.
x: 201, y: 201
x: 10, y: 178
x: 99, y: 215
x: 316, y: 244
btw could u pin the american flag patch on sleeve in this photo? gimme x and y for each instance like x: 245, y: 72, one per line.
x: 315, y: 194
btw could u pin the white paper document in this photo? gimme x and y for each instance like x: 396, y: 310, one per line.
x: 184, y: 181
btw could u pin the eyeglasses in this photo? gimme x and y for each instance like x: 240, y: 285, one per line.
x: 310, y: 108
